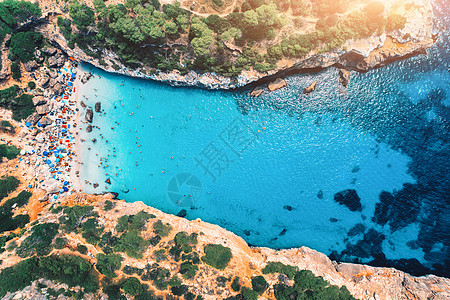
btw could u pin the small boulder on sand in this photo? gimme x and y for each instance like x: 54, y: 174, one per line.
x: 39, y: 100
x: 89, y: 115
x: 277, y: 84
x: 310, y: 88
x: 98, y: 106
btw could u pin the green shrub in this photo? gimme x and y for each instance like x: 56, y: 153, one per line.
x: 15, y: 70
x: 73, y: 217
x: 108, y: 205
x: 217, y: 256
x: 249, y: 294
x: 91, y: 231
x: 133, y: 222
x: 82, y: 249
x: 162, y: 229
x: 395, y: 21
x: 217, y: 2
x: 259, y: 284
x: 81, y: 14
x: 69, y: 269
x: 132, y: 286
x: 10, y: 152
x: 307, y: 285
x: 22, y: 107
x: 13, y: 12
x: 7, y: 185
x: 60, y: 243
x: 188, y: 269
x: 23, y: 44
x: 39, y: 241
x: 235, y: 284
x: 277, y: 267
x: 132, y: 244
x: 31, y: 85
x: 107, y: 264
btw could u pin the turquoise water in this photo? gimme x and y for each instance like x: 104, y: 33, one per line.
x: 268, y: 168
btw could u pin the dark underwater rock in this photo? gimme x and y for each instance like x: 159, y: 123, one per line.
x: 89, y: 128
x: 288, y: 207
x: 320, y: 194
x: 182, y: 213
x: 344, y: 77
x: 349, y: 198
x: 357, y: 229
x: 283, y: 232
x: 98, y: 106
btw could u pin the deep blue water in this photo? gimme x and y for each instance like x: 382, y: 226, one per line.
x: 269, y: 168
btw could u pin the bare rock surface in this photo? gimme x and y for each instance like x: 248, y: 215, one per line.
x: 344, y: 77
x: 277, y: 84
x: 39, y: 100
x: 310, y: 88
x: 257, y: 91
x: 44, y: 109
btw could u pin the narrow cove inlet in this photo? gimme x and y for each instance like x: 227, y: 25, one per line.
x: 282, y: 170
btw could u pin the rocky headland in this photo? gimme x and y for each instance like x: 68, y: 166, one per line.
x: 418, y: 34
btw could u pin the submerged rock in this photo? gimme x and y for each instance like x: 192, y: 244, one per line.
x: 349, y: 198
x: 108, y: 181
x: 283, y: 232
x: 320, y: 194
x: 277, y: 84
x: 83, y: 105
x: 344, y: 77
x: 310, y: 88
x: 288, y: 207
x: 182, y: 213
x: 124, y: 189
x: 89, y: 128
x: 89, y: 116
x: 98, y: 106
x: 257, y: 91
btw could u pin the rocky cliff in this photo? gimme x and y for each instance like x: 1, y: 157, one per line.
x: 363, y: 282
x: 359, y: 55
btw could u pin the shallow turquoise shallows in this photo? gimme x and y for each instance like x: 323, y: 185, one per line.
x: 268, y: 168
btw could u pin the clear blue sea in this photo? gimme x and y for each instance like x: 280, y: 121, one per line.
x: 269, y: 168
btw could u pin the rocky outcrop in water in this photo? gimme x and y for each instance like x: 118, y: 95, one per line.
x: 89, y: 116
x: 97, y: 107
x: 344, y: 77
x: 349, y: 198
x: 310, y: 88
x: 276, y: 84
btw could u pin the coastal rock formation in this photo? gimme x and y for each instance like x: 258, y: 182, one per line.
x: 89, y: 116
x: 30, y: 66
x: 39, y: 100
x: 49, y: 51
x: 276, y: 84
x: 57, y: 60
x: 310, y: 88
x: 33, y: 119
x: 89, y: 128
x: 257, y: 91
x: 344, y: 77
x: 44, y: 81
x: 363, y: 282
x: 45, y: 121
x: 44, y: 109
x: 349, y: 198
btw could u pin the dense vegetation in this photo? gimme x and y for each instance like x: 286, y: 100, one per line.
x: 217, y: 256
x: 20, y: 104
x: 308, y: 286
x: 146, y: 33
x: 69, y: 269
x: 10, y: 152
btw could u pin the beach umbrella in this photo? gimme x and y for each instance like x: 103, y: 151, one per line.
x: 28, y: 124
